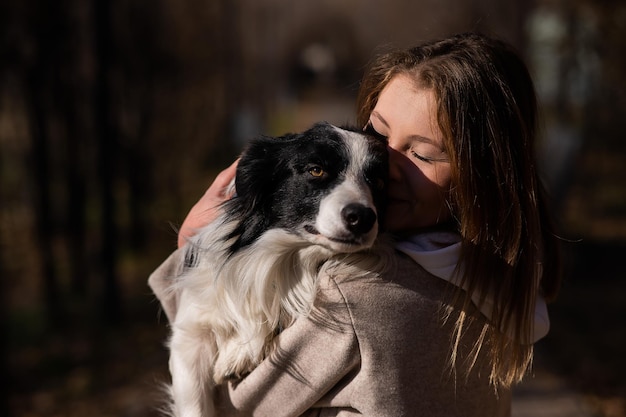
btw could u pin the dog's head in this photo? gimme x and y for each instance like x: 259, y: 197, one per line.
x: 327, y: 185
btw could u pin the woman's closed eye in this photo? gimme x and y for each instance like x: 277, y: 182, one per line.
x: 416, y: 147
x: 428, y: 154
x: 369, y: 129
x: 422, y: 157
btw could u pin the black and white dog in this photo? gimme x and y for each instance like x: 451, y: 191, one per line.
x: 301, y: 199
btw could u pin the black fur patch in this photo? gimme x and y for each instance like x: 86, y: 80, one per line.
x: 274, y: 185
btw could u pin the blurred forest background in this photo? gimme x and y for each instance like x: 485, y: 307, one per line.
x: 115, y: 115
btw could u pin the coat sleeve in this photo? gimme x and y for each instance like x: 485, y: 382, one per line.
x: 161, y: 282
x: 311, y: 357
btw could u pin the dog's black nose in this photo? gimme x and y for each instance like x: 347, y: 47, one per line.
x: 358, y: 218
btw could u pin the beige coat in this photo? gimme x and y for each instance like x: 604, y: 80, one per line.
x: 373, y: 347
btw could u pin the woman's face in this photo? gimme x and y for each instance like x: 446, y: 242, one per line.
x: 419, y: 169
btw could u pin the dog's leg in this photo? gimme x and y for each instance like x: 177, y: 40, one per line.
x: 192, y: 355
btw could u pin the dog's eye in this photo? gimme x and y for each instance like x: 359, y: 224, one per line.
x: 316, y: 171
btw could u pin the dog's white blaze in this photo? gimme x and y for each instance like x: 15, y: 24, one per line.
x: 352, y: 190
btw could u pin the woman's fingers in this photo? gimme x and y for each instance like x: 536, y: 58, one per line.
x: 207, y: 208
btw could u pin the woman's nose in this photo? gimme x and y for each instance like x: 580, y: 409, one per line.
x: 395, y: 171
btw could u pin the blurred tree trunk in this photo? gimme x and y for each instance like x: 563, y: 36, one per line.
x: 75, y: 180
x: 40, y: 156
x: 139, y: 171
x: 4, y: 299
x: 107, y: 155
x: 4, y: 366
x: 5, y: 54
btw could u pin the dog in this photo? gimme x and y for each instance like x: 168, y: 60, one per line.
x: 301, y: 200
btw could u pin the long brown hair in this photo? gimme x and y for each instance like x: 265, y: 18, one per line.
x: 487, y: 112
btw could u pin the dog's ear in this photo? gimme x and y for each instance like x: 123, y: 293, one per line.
x: 259, y: 173
x: 259, y: 167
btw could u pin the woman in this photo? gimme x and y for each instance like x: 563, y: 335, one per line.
x: 467, y: 206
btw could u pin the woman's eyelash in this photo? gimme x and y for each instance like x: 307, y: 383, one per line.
x: 422, y: 158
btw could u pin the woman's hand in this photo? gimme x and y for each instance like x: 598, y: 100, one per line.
x: 206, y: 209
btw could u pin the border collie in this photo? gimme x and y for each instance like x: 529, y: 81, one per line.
x: 302, y: 201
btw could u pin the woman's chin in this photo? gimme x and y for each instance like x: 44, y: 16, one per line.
x: 399, y: 227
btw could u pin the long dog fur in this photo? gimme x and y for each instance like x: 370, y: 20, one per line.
x: 236, y: 296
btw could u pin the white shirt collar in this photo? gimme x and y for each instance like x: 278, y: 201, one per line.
x: 439, y: 252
